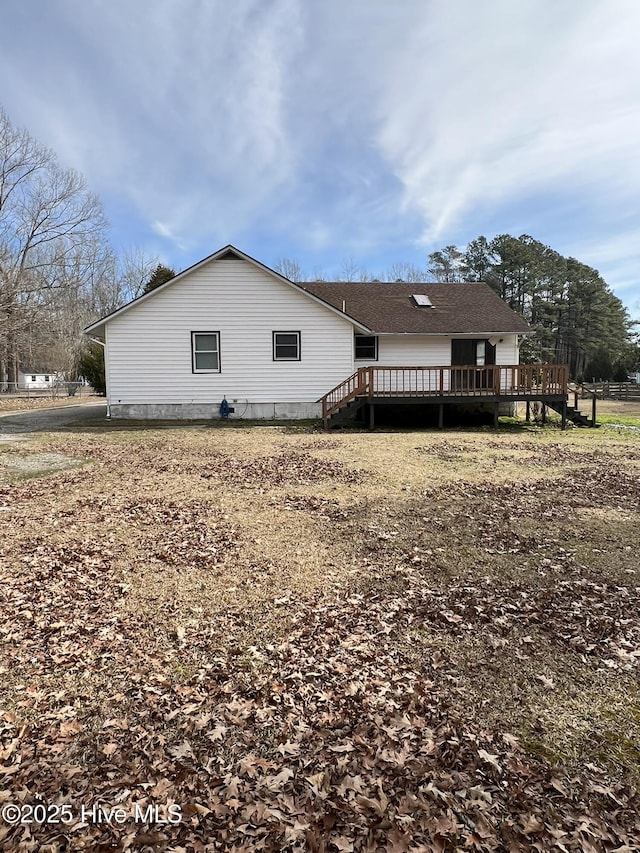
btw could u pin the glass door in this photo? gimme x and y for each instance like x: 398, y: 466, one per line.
x: 473, y: 355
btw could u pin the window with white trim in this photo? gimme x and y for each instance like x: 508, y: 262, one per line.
x: 205, y: 352
x: 286, y: 346
x: 366, y: 348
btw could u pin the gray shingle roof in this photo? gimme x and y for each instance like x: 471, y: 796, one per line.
x: 388, y: 307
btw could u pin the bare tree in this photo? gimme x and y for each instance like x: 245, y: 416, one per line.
x: 91, y: 288
x: 319, y: 274
x: 289, y: 269
x: 136, y: 269
x: 350, y: 270
x: 47, y: 219
x: 402, y: 271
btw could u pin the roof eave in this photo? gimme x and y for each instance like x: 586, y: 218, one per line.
x: 477, y: 334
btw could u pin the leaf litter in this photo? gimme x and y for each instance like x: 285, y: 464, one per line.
x: 356, y: 729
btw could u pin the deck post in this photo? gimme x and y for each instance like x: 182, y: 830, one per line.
x: 544, y: 413
x: 564, y: 415
x: 496, y: 415
x: 528, y: 413
x: 371, y: 415
x: 441, y: 416
x: 593, y: 410
x: 496, y: 379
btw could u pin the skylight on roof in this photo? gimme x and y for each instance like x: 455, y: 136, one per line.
x: 422, y: 299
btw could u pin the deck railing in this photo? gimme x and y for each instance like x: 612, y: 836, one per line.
x: 354, y: 386
x: 516, y: 380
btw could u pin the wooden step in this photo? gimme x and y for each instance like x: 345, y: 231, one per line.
x: 574, y: 415
x: 346, y: 411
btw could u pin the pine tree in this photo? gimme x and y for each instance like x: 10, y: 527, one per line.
x: 160, y: 275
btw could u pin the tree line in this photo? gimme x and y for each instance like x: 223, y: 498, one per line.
x: 576, y: 318
x: 58, y: 271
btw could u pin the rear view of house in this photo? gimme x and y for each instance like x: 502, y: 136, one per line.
x: 231, y: 329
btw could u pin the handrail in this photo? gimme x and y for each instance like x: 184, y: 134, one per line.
x: 581, y: 385
x: 352, y: 387
x: 594, y: 399
x: 447, y: 380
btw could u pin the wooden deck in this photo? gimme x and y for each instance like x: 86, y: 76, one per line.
x: 546, y: 383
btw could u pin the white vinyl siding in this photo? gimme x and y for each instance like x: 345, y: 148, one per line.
x: 411, y: 351
x: 149, y: 347
x: 431, y: 350
x: 507, y: 350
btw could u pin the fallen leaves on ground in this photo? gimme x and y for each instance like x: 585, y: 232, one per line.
x: 331, y: 735
x: 357, y: 729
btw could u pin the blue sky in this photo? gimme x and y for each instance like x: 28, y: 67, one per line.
x: 322, y: 131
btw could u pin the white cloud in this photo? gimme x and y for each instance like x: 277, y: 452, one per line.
x: 491, y: 101
x: 343, y: 128
x: 167, y: 232
x: 179, y: 106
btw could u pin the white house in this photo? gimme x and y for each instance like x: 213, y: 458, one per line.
x: 231, y: 328
x: 37, y: 381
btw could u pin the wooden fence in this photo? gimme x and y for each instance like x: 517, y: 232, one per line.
x: 612, y: 390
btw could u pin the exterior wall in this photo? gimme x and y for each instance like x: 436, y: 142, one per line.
x: 431, y: 350
x: 148, y: 348
x: 508, y: 351
x: 410, y: 351
x: 149, y: 360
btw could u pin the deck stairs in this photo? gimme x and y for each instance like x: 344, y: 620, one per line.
x: 574, y: 415
x: 346, y: 412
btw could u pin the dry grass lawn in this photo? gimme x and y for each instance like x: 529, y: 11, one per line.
x: 501, y: 568
x: 616, y: 407
x: 9, y: 403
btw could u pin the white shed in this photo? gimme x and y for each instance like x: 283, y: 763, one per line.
x: 37, y: 381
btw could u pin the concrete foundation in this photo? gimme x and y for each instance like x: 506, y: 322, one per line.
x: 211, y: 411
x: 509, y: 410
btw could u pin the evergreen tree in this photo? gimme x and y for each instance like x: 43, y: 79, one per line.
x: 91, y: 367
x: 159, y: 276
x: 575, y: 315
